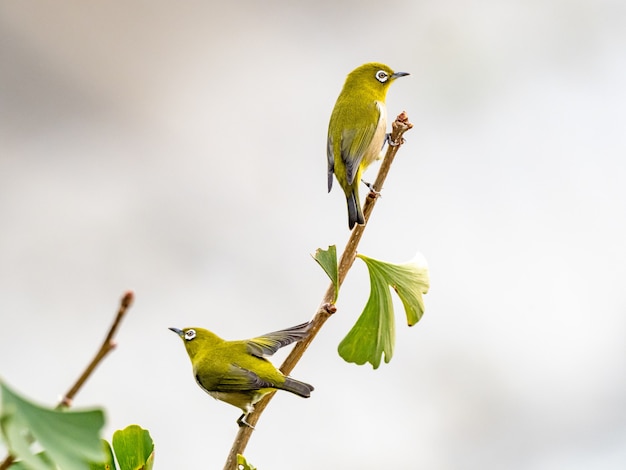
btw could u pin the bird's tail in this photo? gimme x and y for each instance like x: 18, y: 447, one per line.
x: 355, y: 215
x: 297, y: 387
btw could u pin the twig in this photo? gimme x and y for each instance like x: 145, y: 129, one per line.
x: 107, y: 345
x: 327, y: 308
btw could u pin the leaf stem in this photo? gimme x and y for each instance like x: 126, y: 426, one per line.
x: 327, y: 308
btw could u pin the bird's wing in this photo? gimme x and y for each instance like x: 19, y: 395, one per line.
x: 269, y: 343
x: 331, y: 161
x: 355, y: 141
x: 236, y: 380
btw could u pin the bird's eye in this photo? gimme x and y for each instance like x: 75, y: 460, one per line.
x: 382, y: 76
x: 190, y: 334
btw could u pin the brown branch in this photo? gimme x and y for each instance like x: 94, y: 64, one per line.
x: 107, y: 346
x: 7, y: 462
x: 327, y: 308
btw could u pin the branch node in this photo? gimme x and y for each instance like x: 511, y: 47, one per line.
x: 373, y: 194
x: 65, y: 402
x: 329, y: 308
x: 403, y: 118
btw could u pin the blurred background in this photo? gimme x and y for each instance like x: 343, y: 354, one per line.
x: 177, y: 149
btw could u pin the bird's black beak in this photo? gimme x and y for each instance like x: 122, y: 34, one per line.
x: 399, y: 74
x: 180, y: 333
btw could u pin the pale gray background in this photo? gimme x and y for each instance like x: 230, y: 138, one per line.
x: 178, y: 149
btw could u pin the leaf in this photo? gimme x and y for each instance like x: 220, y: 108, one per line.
x: 242, y: 463
x: 134, y: 448
x: 327, y: 259
x: 109, y: 463
x: 45, y: 460
x: 409, y: 280
x: 70, y: 439
x: 374, y: 332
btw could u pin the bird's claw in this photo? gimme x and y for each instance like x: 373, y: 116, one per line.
x: 243, y: 423
x: 373, y: 193
x: 393, y: 143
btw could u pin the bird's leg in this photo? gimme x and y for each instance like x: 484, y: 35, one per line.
x: 242, y: 421
x: 373, y: 193
x: 393, y: 143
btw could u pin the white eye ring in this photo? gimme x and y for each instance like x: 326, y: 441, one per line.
x: 190, y: 334
x: 382, y: 76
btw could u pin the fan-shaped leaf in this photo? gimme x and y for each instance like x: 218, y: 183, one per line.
x: 374, y: 332
x: 327, y: 259
x: 70, y: 439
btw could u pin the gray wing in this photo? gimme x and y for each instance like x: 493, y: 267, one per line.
x: 331, y: 161
x: 269, y: 343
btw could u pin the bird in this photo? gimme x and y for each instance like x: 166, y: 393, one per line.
x: 357, y: 130
x: 236, y: 372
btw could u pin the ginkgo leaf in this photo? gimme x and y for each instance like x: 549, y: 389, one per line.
x: 70, y: 439
x: 410, y: 281
x: 109, y: 463
x: 242, y: 463
x: 45, y: 460
x: 373, y: 335
x: 327, y: 259
x: 134, y: 449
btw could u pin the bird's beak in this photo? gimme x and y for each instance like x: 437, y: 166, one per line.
x: 399, y: 74
x: 180, y: 333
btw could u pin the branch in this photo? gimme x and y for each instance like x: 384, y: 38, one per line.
x: 107, y: 346
x: 327, y: 308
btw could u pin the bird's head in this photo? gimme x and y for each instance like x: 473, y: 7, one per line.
x: 196, y: 339
x: 374, y: 76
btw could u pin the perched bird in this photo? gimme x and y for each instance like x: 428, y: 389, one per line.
x: 357, y: 130
x: 236, y: 371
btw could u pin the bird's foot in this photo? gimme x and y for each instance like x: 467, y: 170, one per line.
x: 242, y: 421
x: 373, y: 193
x: 393, y: 143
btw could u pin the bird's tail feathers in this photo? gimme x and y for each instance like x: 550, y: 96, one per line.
x: 299, y: 388
x: 355, y: 214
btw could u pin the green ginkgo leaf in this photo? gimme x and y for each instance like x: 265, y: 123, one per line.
x: 45, y: 460
x: 134, y: 448
x: 70, y: 439
x: 373, y: 335
x: 242, y: 463
x: 109, y: 463
x: 327, y: 259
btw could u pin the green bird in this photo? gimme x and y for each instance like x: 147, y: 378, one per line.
x: 357, y: 130
x: 237, y: 372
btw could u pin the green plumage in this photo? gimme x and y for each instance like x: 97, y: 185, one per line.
x: 357, y: 129
x: 237, y: 372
